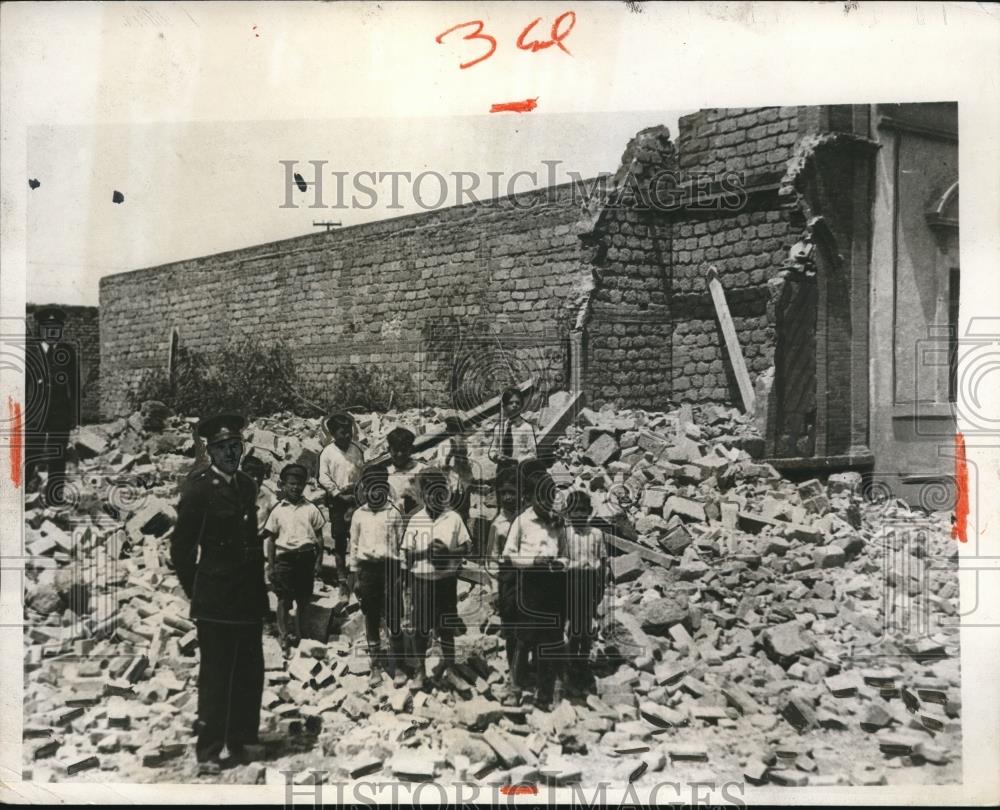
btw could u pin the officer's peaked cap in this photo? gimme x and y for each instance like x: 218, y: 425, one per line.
x: 50, y: 315
x: 221, y: 427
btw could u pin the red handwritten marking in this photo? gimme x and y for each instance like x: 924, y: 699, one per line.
x: 556, y: 36
x: 518, y: 790
x: 531, y: 46
x: 516, y: 106
x: 960, y: 529
x: 16, y: 442
x: 477, y: 34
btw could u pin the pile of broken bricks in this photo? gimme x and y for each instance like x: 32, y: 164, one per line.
x: 749, y: 634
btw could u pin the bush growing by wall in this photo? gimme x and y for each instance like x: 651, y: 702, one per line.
x: 254, y: 379
x: 358, y: 387
x: 245, y: 377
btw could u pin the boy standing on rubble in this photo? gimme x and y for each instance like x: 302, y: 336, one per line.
x: 374, y: 561
x: 507, y: 501
x: 453, y: 459
x: 435, y: 541
x: 513, y: 437
x: 340, y: 466
x: 585, y: 578
x: 404, y: 471
x: 293, y: 536
x: 535, y: 548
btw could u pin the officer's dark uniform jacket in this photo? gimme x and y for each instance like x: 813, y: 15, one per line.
x: 51, y: 381
x: 226, y: 583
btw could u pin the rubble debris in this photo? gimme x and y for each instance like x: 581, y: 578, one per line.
x: 627, y: 567
x: 738, y: 599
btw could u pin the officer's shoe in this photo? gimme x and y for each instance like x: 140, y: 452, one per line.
x: 240, y: 754
x: 209, y: 765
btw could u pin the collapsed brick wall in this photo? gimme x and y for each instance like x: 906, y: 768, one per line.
x: 480, y: 293
x: 461, y: 297
x: 82, y: 328
x: 653, y: 335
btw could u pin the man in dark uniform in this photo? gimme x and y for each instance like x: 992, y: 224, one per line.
x: 51, y: 377
x: 217, y: 515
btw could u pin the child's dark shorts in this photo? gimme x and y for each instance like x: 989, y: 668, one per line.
x: 294, y: 573
x: 434, y: 604
x: 380, y: 591
x: 541, y: 596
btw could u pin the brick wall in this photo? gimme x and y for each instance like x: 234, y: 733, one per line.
x: 476, y: 287
x: 751, y: 140
x: 83, y: 329
x: 481, y: 289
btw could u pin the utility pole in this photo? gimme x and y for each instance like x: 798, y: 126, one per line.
x: 329, y: 225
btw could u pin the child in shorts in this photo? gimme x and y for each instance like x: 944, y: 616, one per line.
x: 535, y: 548
x: 339, y: 468
x: 293, y: 543
x: 434, y: 543
x: 373, y: 558
x: 585, y: 577
x: 507, y: 501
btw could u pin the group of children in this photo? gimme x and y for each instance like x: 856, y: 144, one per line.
x: 400, y: 528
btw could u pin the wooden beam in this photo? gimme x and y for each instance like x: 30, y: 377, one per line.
x: 646, y: 553
x: 736, y: 360
x: 555, y: 428
x: 478, y: 575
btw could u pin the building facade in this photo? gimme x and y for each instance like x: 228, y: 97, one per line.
x: 833, y: 230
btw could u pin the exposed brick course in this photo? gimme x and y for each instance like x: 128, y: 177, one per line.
x: 424, y: 293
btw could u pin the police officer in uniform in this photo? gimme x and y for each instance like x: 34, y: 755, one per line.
x: 217, y: 515
x: 52, y: 389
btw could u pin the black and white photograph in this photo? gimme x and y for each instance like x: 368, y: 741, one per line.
x: 494, y: 446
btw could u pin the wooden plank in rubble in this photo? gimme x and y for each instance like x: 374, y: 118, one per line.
x: 736, y: 361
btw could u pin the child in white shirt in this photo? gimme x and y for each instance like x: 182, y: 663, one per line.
x: 404, y: 471
x: 534, y: 548
x: 513, y: 437
x: 339, y: 469
x: 585, y: 575
x: 294, y: 548
x: 434, y: 543
x: 374, y: 561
